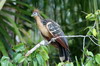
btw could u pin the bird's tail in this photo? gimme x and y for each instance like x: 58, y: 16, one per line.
x: 64, y: 54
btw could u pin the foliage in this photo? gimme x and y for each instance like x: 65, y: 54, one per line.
x: 19, y: 33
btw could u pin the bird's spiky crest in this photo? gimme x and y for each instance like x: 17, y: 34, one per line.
x: 36, y: 10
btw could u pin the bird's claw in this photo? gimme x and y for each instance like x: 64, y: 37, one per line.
x: 53, y: 39
x: 44, y: 42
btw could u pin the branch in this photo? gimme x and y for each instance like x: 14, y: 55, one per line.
x: 37, y: 46
x: 72, y: 36
x: 94, y: 41
x: 44, y: 42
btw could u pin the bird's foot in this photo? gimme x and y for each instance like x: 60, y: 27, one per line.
x: 53, y: 39
x: 44, y: 42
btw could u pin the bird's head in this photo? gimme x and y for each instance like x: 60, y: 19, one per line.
x: 35, y: 13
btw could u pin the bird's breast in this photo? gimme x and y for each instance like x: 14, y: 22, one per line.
x: 44, y: 31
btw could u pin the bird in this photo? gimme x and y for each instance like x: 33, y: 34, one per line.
x: 51, y: 29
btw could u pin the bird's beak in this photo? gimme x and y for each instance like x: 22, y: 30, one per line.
x: 32, y: 15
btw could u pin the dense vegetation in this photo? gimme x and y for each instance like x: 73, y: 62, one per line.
x: 19, y: 33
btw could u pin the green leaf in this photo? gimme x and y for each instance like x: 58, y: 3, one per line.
x: 5, y: 61
x: 61, y: 64
x: 89, y: 63
x: 40, y: 60
x: 77, y: 63
x: 17, y: 57
x: 24, y: 4
x: 21, y: 59
x: 19, y: 47
x: 45, y: 48
x: 35, y: 62
x: 94, y: 32
x: 5, y: 33
x: 69, y: 64
x: 89, y: 53
x: 97, y: 58
x: 15, y: 27
x: 91, y: 17
x: 44, y: 55
x: 17, y: 15
x: 97, y: 12
x: 21, y: 10
x: 3, y: 49
x: 25, y: 63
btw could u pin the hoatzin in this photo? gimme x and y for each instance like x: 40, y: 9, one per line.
x: 50, y: 29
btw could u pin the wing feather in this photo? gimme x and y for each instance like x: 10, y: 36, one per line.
x: 56, y: 31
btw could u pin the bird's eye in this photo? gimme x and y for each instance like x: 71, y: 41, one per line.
x: 34, y: 14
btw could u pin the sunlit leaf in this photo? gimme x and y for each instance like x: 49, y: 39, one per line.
x: 61, y: 64
x: 94, y: 32
x: 97, y: 58
x: 21, y: 59
x: 2, y: 3
x: 89, y: 53
x: 97, y: 12
x: 91, y: 17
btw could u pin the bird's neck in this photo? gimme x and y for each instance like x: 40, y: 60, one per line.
x: 39, y: 22
x: 40, y: 17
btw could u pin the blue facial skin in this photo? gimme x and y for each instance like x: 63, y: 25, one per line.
x: 34, y: 14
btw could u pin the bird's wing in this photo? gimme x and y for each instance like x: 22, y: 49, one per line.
x: 56, y: 31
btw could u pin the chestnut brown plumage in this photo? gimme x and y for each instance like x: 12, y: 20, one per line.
x: 50, y: 29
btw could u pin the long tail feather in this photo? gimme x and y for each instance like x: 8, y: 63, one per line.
x: 64, y: 54
x: 67, y: 55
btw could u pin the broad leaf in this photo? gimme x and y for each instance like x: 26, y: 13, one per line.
x: 97, y: 58
x: 19, y: 47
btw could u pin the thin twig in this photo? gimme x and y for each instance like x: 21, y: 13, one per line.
x: 94, y: 42
x: 95, y: 38
x: 84, y: 12
x: 84, y: 42
x: 71, y: 36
